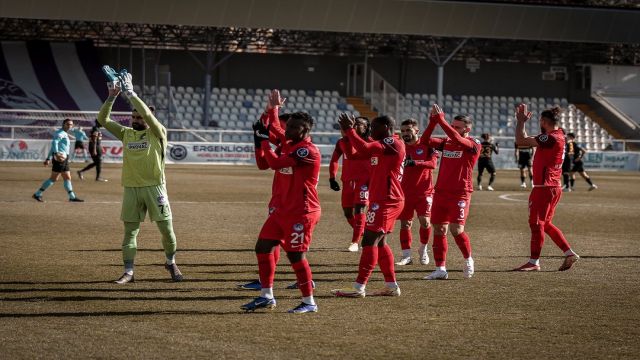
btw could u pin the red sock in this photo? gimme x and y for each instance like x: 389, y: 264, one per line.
x: 276, y: 254
x: 350, y: 221
x: 368, y: 261
x: 303, y: 276
x: 557, y: 236
x: 405, y: 238
x: 537, y: 240
x: 440, y: 247
x: 385, y: 260
x: 462, y: 240
x: 266, y: 269
x: 358, y: 227
x: 425, y: 234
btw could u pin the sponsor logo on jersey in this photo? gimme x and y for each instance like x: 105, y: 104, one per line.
x: 178, y: 152
x: 477, y: 141
x: 462, y: 203
x: 302, y: 152
x: 543, y: 137
x: 375, y: 206
x: 298, y: 227
x: 143, y: 145
x: 429, y: 199
x: 452, y: 154
x: 162, y: 200
x: 374, y: 160
x: 286, y: 171
x: 419, y: 151
x: 364, y: 188
x: 388, y: 140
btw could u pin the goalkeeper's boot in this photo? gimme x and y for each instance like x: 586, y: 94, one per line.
x: 125, y: 278
x: 303, y: 308
x: 259, y: 303
x: 75, y: 199
x: 176, y: 275
x: 37, y: 197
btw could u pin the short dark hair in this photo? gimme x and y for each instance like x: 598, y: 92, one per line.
x: 151, y: 107
x: 410, y: 121
x: 571, y: 135
x: 385, y: 120
x: 552, y: 114
x: 284, y: 117
x: 485, y: 136
x: 66, y: 121
x: 464, y: 118
x: 305, y: 117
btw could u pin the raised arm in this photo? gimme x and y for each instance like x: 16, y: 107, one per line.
x: 105, y: 111
x: 154, y: 125
x: 274, y: 103
x: 276, y: 162
x: 522, y: 139
x: 468, y: 144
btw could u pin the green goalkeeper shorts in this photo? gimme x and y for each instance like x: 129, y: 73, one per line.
x: 136, y: 201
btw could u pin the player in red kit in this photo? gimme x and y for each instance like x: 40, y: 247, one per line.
x: 386, y: 201
x: 281, y: 179
x: 546, y: 193
x: 355, y: 180
x: 453, y: 189
x: 420, y: 160
x: 292, y: 222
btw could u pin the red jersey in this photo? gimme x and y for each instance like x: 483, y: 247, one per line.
x: 282, y: 177
x: 386, y: 158
x: 301, y: 162
x: 456, y: 166
x: 354, y: 166
x: 417, y: 180
x: 548, y: 158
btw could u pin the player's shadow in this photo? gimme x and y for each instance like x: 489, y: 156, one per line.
x: 161, y: 250
x: 120, y: 298
x: 108, y: 290
x: 116, y: 314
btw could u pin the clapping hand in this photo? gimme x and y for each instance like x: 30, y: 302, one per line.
x: 436, y: 113
x: 346, y: 121
x: 275, y: 100
x: 522, y: 114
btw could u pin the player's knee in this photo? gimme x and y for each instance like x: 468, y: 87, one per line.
x: 537, y: 227
x: 359, y: 209
x: 457, y: 230
x: 440, y: 229
x: 406, y: 224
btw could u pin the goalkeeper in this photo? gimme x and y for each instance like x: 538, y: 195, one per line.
x: 144, y: 145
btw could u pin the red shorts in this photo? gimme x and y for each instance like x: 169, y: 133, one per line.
x: 542, y: 204
x: 381, y: 216
x: 450, y: 208
x: 420, y: 204
x: 355, y: 192
x: 293, y: 231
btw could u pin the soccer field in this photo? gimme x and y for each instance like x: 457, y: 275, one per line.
x: 59, y: 260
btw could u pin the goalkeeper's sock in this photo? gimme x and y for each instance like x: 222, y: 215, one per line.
x: 128, y: 267
x: 45, y: 185
x: 69, y: 188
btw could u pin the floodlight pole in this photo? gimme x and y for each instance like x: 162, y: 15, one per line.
x: 441, y: 63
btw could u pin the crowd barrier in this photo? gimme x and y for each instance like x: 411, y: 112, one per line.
x: 243, y: 153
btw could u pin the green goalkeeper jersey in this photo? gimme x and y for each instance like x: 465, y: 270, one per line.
x: 143, y: 151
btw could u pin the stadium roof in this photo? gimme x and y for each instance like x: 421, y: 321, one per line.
x: 416, y: 29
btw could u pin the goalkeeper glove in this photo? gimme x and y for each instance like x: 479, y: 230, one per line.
x: 126, y: 83
x: 409, y: 162
x: 334, y: 185
x: 260, y: 132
